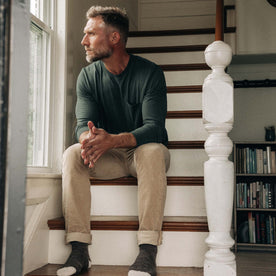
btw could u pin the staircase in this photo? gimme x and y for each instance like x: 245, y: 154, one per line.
x: 114, y: 204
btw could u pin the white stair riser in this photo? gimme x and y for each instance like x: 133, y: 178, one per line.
x: 177, y: 8
x: 182, y: 78
x: 187, y: 162
x: 179, y: 14
x: 184, y: 101
x: 122, y: 201
x: 120, y: 248
x: 186, y: 130
x: 177, y: 40
x: 178, y: 23
x: 231, y: 18
x: 175, y: 58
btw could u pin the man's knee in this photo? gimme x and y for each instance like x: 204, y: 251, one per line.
x: 72, y: 154
x: 153, y: 152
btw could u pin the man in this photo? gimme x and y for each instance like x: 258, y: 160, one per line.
x: 121, y: 110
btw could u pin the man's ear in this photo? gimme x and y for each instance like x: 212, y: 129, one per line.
x: 115, y: 38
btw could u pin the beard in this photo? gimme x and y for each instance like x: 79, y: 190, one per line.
x: 99, y: 55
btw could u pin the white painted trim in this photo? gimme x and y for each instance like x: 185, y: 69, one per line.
x: 34, y: 222
x: 44, y: 175
x: 41, y: 24
x: 58, y: 91
x: 35, y: 201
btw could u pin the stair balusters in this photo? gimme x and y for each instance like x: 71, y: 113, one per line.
x: 218, y: 170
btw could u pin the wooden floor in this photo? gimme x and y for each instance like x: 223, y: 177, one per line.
x: 50, y: 270
x: 248, y: 264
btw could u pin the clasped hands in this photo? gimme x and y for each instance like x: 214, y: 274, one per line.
x: 97, y: 142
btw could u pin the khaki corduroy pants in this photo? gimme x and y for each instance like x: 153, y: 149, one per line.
x: 148, y: 163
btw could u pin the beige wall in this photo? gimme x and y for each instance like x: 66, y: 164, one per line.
x: 254, y: 108
x: 256, y: 32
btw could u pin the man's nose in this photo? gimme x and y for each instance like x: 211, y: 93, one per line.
x: 84, y: 40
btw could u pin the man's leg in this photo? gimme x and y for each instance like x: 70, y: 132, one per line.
x: 151, y: 161
x: 77, y: 200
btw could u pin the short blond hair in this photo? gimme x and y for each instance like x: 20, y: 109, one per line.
x: 112, y: 16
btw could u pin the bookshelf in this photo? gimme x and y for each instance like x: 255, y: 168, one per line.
x: 255, y: 195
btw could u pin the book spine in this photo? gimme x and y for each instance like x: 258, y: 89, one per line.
x: 253, y: 229
x: 273, y: 161
x: 267, y: 225
x: 258, y: 228
x: 254, y: 195
x: 262, y: 228
x: 271, y: 229
x: 269, y: 197
x: 274, y: 230
x: 250, y: 226
x: 260, y: 161
x: 258, y: 194
x: 268, y: 149
x: 247, y: 160
x: 265, y: 162
x: 251, y: 196
x: 245, y: 195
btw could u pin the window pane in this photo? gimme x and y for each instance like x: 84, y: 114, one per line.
x: 35, y: 8
x: 38, y: 99
x: 42, y: 10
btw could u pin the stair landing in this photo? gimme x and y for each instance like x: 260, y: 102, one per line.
x: 100, y: 270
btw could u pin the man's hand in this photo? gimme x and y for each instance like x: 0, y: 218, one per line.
x: 96, y: 141
x: 95, y: 145
x: 85, y: 136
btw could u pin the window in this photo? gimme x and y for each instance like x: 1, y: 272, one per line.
x: 47, y: 86
x: 41, y: 39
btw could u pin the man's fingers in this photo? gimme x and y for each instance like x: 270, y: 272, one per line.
x: 90, y: 125
x: 91, y: 164
x: 93, y: 159
x: 95, y: 156
x: 96, y: 130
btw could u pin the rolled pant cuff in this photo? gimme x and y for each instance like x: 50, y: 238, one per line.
x: 80, y: 237
x: 149, y: 237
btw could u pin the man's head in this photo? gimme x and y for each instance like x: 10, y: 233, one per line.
x: 113, y: 17
x: 106, y: 28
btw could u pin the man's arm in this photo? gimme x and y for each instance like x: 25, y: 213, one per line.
x: 154, y: 111
x: 96, y: 142
x: 87, y: 108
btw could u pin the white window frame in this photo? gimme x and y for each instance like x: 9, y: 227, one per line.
x: 56, y: 83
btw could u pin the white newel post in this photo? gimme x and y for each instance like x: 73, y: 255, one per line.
x: 218, y: 170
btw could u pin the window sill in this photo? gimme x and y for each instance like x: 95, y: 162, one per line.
x: 45, y: 175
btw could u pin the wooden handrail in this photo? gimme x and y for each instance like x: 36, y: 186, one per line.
x: 219, y: 35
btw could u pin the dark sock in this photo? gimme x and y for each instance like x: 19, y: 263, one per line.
x: 145, y: 261
x: 78, y: 260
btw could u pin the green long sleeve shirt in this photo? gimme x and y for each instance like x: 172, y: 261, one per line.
x: 134, y: 101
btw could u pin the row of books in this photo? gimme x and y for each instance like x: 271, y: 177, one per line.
x: 256, y: 160
x: 261, y: 229
x: 256, y: 195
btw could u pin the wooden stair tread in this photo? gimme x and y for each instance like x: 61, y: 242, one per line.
x: 184, y: 89
x: 114, y: 270
x: 126, y: 223
x: 185, y: 67
x: 166, y: 49
x: 179, y: 32
x: 186, y: 144
x: 132, y: 181
x: 184, y: 114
